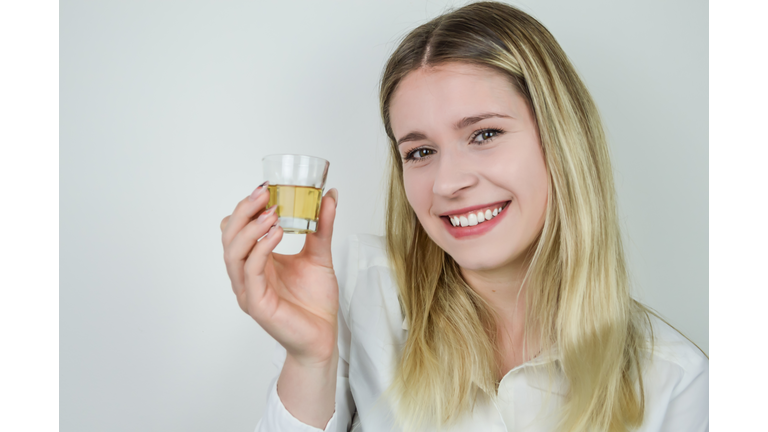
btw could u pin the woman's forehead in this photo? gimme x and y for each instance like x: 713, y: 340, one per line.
x: 444, y: 94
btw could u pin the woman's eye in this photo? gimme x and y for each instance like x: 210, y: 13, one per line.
x: 486, y: 135
x: 419, y: 153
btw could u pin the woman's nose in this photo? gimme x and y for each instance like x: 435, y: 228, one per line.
x: 453, y: 176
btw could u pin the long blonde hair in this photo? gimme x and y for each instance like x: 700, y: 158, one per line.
x: 577, y: 297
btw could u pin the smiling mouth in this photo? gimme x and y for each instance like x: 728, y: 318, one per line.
x: 475, y: 217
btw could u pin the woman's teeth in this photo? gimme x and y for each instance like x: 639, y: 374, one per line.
x: 475, y: 218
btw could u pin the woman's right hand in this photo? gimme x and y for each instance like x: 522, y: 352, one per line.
x: 293, y: 297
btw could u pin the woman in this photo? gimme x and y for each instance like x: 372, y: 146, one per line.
x: 499, y: 299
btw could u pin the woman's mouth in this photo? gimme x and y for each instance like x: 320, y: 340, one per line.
x: 476, y: 217
x: 476, y: 221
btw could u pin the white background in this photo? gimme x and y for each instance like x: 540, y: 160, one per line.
x: 166, y: 109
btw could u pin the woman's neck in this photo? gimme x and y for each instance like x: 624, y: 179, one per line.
x: 504, y: 291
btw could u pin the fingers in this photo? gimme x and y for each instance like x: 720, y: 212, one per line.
x: 241, y: 247
x: 244, y: 241
x: 254, y: 277
x: 244, y: 212
x: 318, y: 245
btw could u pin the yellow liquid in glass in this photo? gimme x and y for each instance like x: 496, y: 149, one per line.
x: 300, y: 202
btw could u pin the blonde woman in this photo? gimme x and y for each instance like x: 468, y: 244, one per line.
x: 499, y: 298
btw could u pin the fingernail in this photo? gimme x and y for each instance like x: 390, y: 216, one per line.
x: 271, y: 231
x: 258, y: 191
x: 334, y: 193
x: 267, y: 213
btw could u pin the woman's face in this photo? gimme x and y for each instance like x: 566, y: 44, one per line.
x: 470, y: 146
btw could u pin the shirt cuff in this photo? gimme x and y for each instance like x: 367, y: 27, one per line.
x: 277, y: 418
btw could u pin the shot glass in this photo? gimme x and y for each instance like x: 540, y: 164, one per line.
x: 296, y: 184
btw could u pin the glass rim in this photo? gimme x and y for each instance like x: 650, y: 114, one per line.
x: 319, y: 159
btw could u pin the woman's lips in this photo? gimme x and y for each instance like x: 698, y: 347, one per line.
x: 473, y: 208
x: 477, y: 230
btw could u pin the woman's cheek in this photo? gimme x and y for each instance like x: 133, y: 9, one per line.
x: 418, y: 191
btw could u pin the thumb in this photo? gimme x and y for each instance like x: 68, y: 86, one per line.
x: 318, y: 244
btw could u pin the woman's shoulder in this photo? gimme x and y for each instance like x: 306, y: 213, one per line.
x: 675, y: 380
x: 672, y: 346
x: 674, y: 358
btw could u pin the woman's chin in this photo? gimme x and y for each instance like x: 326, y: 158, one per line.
x: 478, y: 263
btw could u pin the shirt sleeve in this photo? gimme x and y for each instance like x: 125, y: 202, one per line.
x: 276, y: 417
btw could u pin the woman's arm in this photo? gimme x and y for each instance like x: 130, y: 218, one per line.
x: 294, y: 298
x: 308, y: 391
x: 278, y: 417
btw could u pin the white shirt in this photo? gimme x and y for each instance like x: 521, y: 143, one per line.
x: 372, y: 332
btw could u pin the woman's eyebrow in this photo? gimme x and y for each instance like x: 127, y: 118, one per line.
x: 461, y: 124
x: 466, y: 121
x: 413, y: 136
